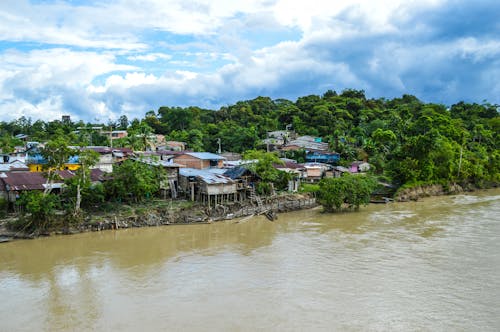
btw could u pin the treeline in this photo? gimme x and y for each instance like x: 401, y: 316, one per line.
x: 407, y: 141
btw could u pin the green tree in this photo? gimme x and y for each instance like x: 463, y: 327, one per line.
x: 40, y: 209
x: 56, y: 153
x: 264, y: 168
x: 134, y: 180
x: 345, y: 193
x: 81, y: 181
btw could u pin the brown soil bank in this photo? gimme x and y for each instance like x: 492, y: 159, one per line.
x: 162, y: 215
x: 414, y: 193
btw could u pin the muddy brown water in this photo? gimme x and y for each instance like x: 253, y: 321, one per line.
x: 432, y: 265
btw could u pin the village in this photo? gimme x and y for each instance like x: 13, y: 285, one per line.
x: 211, y: 180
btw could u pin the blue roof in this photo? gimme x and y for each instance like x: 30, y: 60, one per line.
x: 205, y: 155
x: 39, y: 159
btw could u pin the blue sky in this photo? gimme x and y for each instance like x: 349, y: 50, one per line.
x: 98, y: 60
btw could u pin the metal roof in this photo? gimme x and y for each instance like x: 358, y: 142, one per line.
x: 205, y: 155
x: 15, y: 165
x: 205, y: 176
x: 31, y: 180
x: 37, y: 180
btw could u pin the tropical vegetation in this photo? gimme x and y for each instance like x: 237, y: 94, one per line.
x: 407, y: 142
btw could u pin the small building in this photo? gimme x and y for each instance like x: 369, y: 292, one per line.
x: 13, y: 166
x: 359, y: 167
x: 207, y: 187
x: 200, y: 160
x: 337, y: 171
x: 36, y: 163
x: 315, y: 171
x: 245, y: 180
x: 322, y: 157
x: 13, y: 184
x: 109, y: 156
x: 171, y: 146
x: 116, y: 134
x: 297, y: 170
x: 308, y: 143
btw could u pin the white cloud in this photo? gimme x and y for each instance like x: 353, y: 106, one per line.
x: 150, y: 57
x: 127, y: 57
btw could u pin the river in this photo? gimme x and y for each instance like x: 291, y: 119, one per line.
x: 432, y: 265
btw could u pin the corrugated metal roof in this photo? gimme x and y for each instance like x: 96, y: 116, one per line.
x: 36, y: 180
x: 309, y: 143
x: 205, y: 155
x: 30, y: 180
x: 236, y: 172
x: 205, y: 176
x: 15, y: 165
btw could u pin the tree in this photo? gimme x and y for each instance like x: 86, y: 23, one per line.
x: 347, y: 192
x: 40, y: 208
x: 56, y: 153
x: 264, y: 168
x: 81, y: 181
x: 134, y: 180
x: 123, y: 122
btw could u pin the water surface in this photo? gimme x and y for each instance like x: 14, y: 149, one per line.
x: 428, y: 265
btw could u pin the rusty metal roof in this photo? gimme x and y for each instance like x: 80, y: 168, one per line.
x: 37, y: 181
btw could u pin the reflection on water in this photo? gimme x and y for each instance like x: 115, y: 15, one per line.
x: 428, y: 265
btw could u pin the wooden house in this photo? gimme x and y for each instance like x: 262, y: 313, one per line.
x: 207, y: 187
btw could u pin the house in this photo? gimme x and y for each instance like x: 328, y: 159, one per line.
x: 207, y: 187
x: 12, y: 165
x: 297, y: 170
x: 359, y: 166
x: 322, y: 157
x: 245, y: 180
x: 116, y: 134
x: 308, y: 143
x: 337, y: 171
x: 36, y: 163
x: 12, y: 184
x: 171, y: 146
x: 199, y: 160
x: 231, y: 156
x: 109, y: 156
x: 315, y: 171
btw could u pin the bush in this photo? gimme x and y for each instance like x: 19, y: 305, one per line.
x: 345, y: 193
x: 40, y: 209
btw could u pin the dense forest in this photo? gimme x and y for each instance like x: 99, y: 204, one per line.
x: 406, y: 140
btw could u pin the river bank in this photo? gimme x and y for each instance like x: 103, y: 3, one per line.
x: 417, y: 192
x: 186, y: 214
x: 164, y: 214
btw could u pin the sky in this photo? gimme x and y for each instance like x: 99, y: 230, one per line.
x: 99, y: 59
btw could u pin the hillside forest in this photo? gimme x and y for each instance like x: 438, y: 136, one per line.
x: 405, y: 140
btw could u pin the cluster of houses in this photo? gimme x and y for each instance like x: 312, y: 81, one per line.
x: 199, y: 176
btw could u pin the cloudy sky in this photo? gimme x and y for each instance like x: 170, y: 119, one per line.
x: 97, y: 59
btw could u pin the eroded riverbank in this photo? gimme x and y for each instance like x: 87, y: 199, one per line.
x: 170, y: 215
